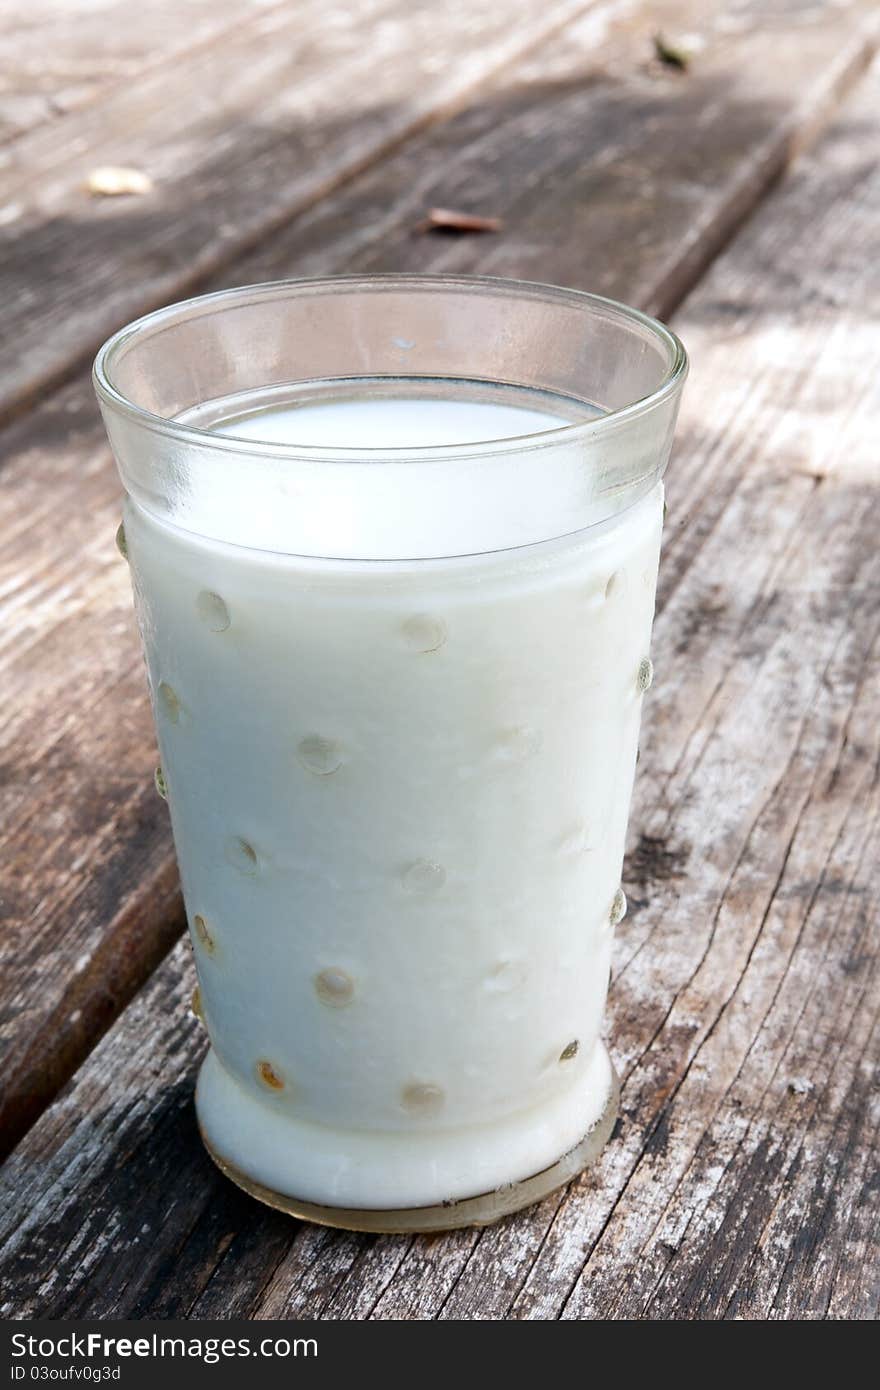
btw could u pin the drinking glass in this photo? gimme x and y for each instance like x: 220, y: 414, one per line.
x: 397, y: 684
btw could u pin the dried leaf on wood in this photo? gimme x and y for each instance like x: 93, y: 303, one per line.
x: 448, y: 220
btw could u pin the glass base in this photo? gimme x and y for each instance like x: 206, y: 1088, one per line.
x: 481, y: 1210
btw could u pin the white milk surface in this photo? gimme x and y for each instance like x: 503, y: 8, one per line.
x: 399, y: 793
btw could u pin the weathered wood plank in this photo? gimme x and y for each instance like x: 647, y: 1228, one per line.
x: 744, y: 1005
x: 237, y: 137
x: 57, y: 55
x: 93, y: 876
x: 611, y: 173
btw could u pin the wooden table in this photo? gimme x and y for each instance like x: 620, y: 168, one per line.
x: 310, y: 138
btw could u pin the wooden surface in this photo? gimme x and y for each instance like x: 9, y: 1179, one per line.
x: 93, y: 904
x: 242, y: 135
x: 743, y: 1008
x: 56, y: 56
x: 238, y: 136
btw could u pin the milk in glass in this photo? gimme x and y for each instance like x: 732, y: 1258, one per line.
x: 399, y: 793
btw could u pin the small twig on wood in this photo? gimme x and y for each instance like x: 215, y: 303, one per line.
x: 670, y: 55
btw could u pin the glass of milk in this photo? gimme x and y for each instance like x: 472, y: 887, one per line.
x: 394, y: 547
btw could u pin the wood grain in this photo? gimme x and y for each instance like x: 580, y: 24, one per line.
x: 237, y: 136
x: 611, y: 173
x: 58, y: 55
x: 90, y: 899
x: 742, y: 1179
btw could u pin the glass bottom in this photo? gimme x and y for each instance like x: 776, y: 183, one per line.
x: 481, y: 1210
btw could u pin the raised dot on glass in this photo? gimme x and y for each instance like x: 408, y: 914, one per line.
x: 269, y: 1076
x: 618, y: 908
x: 505, y: 975
x: 169, y: 701
x: 161, y: 784
x: 195, y: 1004
x: 424, y: 633
x: 121, y: 542
x: 424, y: 876
x: 517, y: 743
x: 422, y: 1098
x: 569, y: 1051
x: 645, y: 674
x: 334, y: 987
x: 242, y: 856
x: 212, y: 611
x: 576, y: 840
x: 614, y: 584
x: 203, y: 935
x: 320, y: 756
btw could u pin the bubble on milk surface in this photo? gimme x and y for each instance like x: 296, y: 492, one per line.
x: 424, y: 633
x: 618, y: 908
x: 203, y: 934
x: 319, y: 755
x: 242, y: 856
x: 212, y: 611
x: 269, y: 1075
x: 422, y: 1098
x: 334, y: 987
x: 423, y: 876
x: 169, y: 702
x: 645, y: 674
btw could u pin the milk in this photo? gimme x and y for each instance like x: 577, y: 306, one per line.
x: 399, y: 792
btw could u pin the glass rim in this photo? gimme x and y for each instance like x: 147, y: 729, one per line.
x: 158, y: 319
